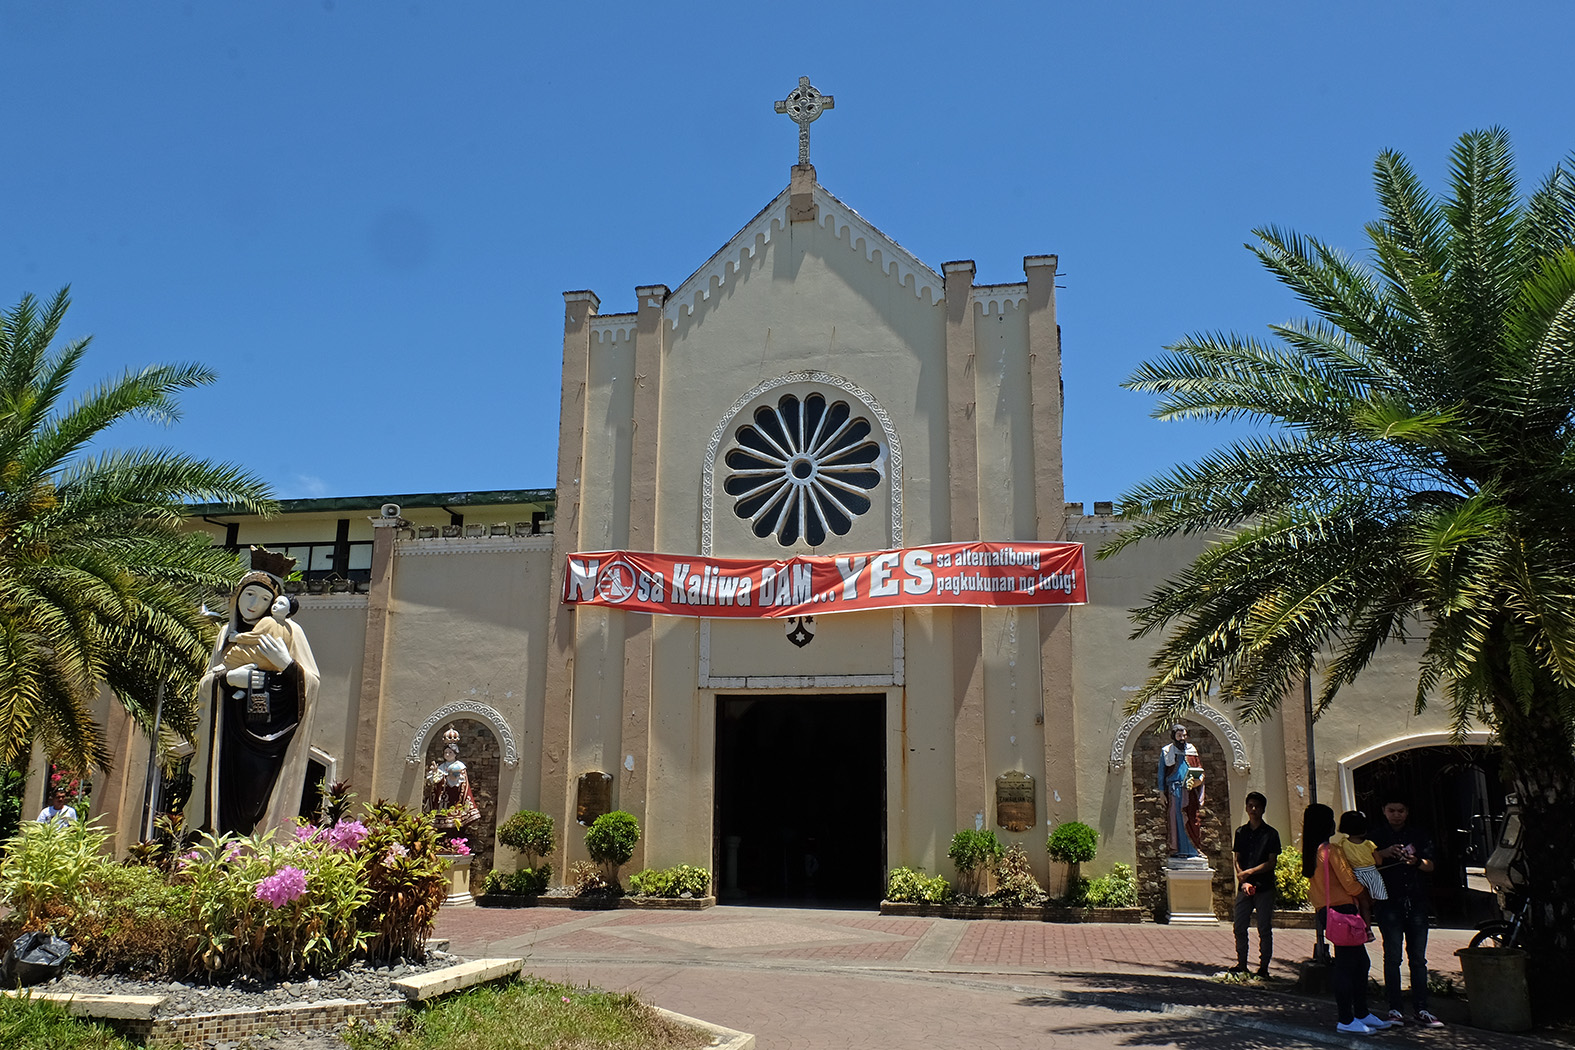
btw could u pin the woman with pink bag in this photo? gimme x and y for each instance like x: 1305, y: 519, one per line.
x: 1334, y: 890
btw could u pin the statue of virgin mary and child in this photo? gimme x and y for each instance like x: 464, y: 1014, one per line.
x: 256, y: 702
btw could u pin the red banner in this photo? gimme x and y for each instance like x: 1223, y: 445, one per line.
x: 991, y: 574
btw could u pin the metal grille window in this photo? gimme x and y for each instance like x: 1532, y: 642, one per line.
x: 801, y: 469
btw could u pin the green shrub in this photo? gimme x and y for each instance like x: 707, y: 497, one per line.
x: 973, y: 852
x: 13, y: 785
x: 1072, y: 843
x: 610, y: 841
x: 910, y: 884
x: 1015, y: 885
x: 672, y: 882
x: 132, y: 922
x: 531, y: 882
x: 589, y: 880
x: 527, y: 882
x: 1116, y: 890
x: 528, y: 832
x: 1290, y: 884
x: 263, y: 910
x: 44, y: 870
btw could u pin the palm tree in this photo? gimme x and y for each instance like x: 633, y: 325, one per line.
x: 1412, y: 475
x: 99, y: 584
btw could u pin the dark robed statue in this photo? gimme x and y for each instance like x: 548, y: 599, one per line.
x: 258, y: 697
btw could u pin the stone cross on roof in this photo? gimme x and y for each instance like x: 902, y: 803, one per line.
x: 804, y: 105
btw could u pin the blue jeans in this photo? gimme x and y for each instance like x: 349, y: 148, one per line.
x: 1403, y: 923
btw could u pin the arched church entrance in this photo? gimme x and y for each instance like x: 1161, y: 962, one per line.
x: 800, y: 798
x: 479, y: 750
x: 1148, y: 814
x: 1456, y: 794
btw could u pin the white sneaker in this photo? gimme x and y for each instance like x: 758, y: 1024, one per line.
x: 1354, y: 1028
x: 1376, y: 1023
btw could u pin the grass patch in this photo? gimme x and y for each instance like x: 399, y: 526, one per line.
x: 25, y: 1021
x: 530, y: 1014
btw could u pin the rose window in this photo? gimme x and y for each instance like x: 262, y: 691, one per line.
x: 801, y: 469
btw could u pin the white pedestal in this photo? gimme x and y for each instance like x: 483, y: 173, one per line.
x: 458, y: 880
x: 1190, y: 885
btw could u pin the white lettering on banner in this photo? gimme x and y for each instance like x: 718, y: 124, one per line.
x: 921, y: 578
x: 582, y: 579
x: 802, y: 584
x: 881, y: 566
x: 966, y: 584
x: 981, y: 573
x: 849, y: 568
x: 1060, y: 581
x: 1004, y: 556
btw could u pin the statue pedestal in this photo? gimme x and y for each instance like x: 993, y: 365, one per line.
x: 1189, y: 883
x: 458, y: 880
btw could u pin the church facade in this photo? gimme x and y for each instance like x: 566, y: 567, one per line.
x: 796, y: 758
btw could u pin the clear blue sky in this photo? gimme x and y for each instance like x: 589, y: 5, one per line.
x: 363, y: 214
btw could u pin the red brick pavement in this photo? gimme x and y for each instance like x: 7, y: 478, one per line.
x: 801, y: 978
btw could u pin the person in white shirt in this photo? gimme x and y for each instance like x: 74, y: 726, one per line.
x: 57, y: 811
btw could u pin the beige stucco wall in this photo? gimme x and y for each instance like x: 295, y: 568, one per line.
x: 466, y: 624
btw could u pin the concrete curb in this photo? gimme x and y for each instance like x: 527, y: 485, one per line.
x: 721, y: 1038
x: 425, y: 986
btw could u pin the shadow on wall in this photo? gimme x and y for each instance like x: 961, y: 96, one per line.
x: 1148, y: 816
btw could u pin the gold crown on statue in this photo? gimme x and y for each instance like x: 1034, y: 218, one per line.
x: 451, y: 738
x: 276, y: 565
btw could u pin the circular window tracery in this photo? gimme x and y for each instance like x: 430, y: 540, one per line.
x: 801, y: 468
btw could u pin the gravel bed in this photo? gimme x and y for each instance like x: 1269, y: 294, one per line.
x: 358, y: 981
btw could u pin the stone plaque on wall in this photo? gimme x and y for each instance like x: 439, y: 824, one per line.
x: 594, y: 797
x: 1014, y: 801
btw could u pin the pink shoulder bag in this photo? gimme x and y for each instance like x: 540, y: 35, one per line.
x: 1344, y: 930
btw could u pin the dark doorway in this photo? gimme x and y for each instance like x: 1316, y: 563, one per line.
x: 1455, y: 794
x: 801, y: 799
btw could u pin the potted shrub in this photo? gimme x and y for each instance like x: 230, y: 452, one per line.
x: 1073, y: 844
x: 684, y: 882
x: 1116, y: 890
x: 530, y: 834
x: 1015, y: 885
x: 974, y: 853
x: 610, y: 841
x: 912, y: 886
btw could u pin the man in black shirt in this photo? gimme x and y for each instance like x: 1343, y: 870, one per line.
x: 1254, y: 852
x: 1405, y: 859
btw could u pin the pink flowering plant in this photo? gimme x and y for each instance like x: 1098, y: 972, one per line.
x: 271, y: 909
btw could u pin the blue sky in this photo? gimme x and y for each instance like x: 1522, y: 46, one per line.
x: 363, y: 215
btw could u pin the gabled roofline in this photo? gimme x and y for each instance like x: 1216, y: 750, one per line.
x: 836, y: 215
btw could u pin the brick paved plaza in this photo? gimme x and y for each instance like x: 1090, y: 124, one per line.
x: 803, y: 978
